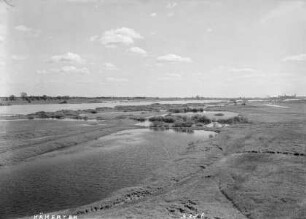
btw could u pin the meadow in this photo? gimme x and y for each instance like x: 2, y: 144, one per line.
x: 254, y: 167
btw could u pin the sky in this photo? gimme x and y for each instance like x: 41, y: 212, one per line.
x: 165, y: 48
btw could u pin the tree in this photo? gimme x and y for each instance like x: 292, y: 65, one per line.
x: 12, y: 98
x: 44, y: 97
x: 23, y: 95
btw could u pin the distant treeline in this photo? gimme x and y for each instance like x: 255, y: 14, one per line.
x: 28, y: 98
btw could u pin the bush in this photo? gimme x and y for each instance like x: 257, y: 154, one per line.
x: 59, y: 116
x: 174, y: 110
x: 182, y: 124
x: 219, y: 114
x: 93, y: 111
x: 234, y: 120
x: 183, y: 129
x: 201, y: 119
x: 156, y: 119
x: 138, y: 118
x: 168, y: 119
x: 43, y: 115
x: 159, y: 125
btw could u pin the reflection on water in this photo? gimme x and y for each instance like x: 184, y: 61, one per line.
x: 75, y: 177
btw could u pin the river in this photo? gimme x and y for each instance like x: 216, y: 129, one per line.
x: 83, y: 174
x: 32, y: 108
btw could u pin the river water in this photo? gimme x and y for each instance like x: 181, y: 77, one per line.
x: 83, y: 174
x: 27, y: 109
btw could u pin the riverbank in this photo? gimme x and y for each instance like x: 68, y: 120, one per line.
x: 253, y: 170
x: 243, y: 172
x: 38, y: 100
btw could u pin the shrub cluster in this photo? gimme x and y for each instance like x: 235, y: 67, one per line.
x: 57, y: 115
x: 187, y: 122
x: 138, y: 118
x: 200, y: 119
x: 234, y: 120
x: 182, y: 124
x: 185, y: 110
x: 159, y: 125
x: 219, y: 114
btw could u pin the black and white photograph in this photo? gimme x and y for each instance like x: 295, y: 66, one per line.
x: 153, y: 109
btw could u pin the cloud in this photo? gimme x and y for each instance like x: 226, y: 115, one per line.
x: 243, y: 70
x: 23, y: 28
x: 74, y: 70
x: 94, y: 38
x: 170, y: 77
x: 68, y: 57
x: 18, y: 57
x: 27, y: 30
x: 1, y: 39
x: 209, y: 30
x: 171, y: 5
x: 295, y: 58
x: 68, y: 69
x: 286, y: 9
x: 112, y: 79
x: 173, y: 58
x: 138, y: 50
x: 170, y: 14
x: 41, y: 72
x: 2, y: 63
x: 110, y: 66
x: 113, y: 37
x: 153, y: 14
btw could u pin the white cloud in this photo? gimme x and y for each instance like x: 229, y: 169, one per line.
x: 112, y: 79
x: 170, y: 14
x: 41, y: 72
x: 67, y: 69
x: 153, y: 14
x: 2, y: 63
x: 94, y: 38
x: 170, y: 77
x: 110, y: 66
x: 18, y: 57
x: 286, y: 9
x: 209, y: 30
x: 1, y: 39
x: 27, y: 30
x: 23, y: 28
x: 68, y: 57
x: 243, y: 70
x: 138, y: 50
x: 171, y: 5
x: 123, y: 36
x: 297, y: 58
x: 74, y: 70
x: 173, y: 58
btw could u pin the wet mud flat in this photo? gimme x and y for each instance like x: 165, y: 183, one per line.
x: 254, y: 170
x: 49, y: 164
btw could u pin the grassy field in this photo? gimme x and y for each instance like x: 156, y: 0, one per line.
x: 250, y: 170
x: 254, y: 169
